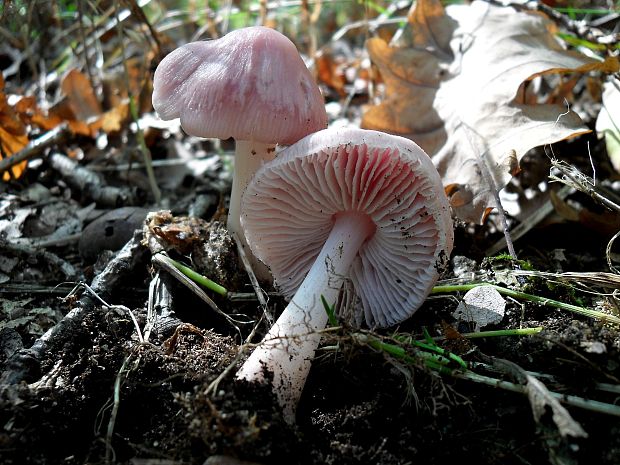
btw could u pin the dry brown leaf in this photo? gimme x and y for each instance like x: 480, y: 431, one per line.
x: 79, y: 91
x: 13, y: 135
x: 452, y: 85
x: 115, y: 119
x: 62, y: 112
x: 31, y: 114
x: 329, y: 73
x: 15, y: 121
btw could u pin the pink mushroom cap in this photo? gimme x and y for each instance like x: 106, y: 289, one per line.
x: 289, y: 209
x: 251, y: 84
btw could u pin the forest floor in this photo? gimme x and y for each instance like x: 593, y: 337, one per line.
x: 107, y: 358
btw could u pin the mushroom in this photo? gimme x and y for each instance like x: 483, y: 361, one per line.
x: 251, y: 85
x: 343, y: 205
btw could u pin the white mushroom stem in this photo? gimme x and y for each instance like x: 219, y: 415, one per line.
x: 249, y: 157
x: 288, y: 348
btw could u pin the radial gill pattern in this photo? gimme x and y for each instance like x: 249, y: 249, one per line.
x: 290, y: 208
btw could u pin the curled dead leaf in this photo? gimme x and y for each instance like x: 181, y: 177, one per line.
x: 541, y: 399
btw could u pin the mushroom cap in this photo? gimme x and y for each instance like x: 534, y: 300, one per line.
x: 288, y: 211
x: 250, y: 84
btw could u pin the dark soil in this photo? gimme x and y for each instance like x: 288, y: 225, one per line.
x: 100, y: 395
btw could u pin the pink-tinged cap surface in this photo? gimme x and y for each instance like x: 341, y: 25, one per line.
x: 250, y: 85
x: 288, y: 211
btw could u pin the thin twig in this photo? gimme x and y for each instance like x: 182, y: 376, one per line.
x: 24, y: 362
x: 137, y: 11
x: 92, y: 185
x: 106, y: 305
x: 36, y: 147
x: 160, y: 316
x: 34, y: 288
x: 48, y: 241
x: 87, y: 64
x: 571, y: 176
x: 109, y: 451
x: 608, y: 253
x: 260, y: 294
x: 133, y: 110
x: 212, y: 387
x: 574, y: 401
x: 487, y: 176
x: 66, y: 268
x: 165, y: 262
x: 605, y: 317
x: 581, y: 28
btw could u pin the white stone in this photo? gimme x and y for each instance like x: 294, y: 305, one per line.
x: 482, y: 306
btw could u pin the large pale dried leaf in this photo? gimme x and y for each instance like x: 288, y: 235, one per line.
x: 453, y: 86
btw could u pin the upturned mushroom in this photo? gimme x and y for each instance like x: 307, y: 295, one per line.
x: 342, y: 205
x: 251, y: 85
